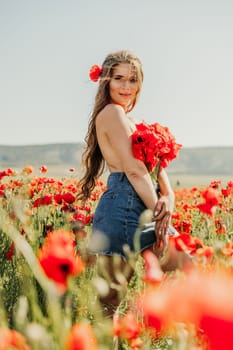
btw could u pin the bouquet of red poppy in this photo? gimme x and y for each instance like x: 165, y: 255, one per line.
x: 154, y: 145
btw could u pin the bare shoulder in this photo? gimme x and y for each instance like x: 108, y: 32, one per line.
x: 113, y: 108
x: 109, y: 112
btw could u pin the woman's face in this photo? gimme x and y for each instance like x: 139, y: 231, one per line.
x: 123, y: 85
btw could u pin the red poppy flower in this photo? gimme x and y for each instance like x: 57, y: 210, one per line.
x: 45, y: 200
x: 218, y: 332
x: 11, y: 251
x: 81, y: 337
x: 135, y: 344
x: 211, y: 196
x: 28, y: 169
x: 182, y: 226
x: 228, y: 190
x: 186, y: 242
x: 68, y: 197
x: 95, y: 72
x: 206, y: 208
x: 80, y: 217
x: 215, y: 183
x: 43, y: 169
x: 220, y: 227
x: 205, y: 251
x: 227, y: 250
x: 7, y: 172
x: 67, y: 208
x: 153, y: 310
x: 59, y: 259
x: 37, y: 203
x: 126, y: 326
x: 58, y: 198
x: 153, y: 273
x: 153, y: 144
x: 11, y: 339
x: 2, y: 174
x: 212, y: 311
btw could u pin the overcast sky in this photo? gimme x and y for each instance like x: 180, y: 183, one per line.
x: 48, y: 46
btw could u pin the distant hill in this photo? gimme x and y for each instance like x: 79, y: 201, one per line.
x: 53, y: 154
x: 204, y: 160
x: 198, y: 160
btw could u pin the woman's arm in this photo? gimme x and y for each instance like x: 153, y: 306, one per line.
x: 164, y: 207
x: 113, y: 124
x: 166, y: 191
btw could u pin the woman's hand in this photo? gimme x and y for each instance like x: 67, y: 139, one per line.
x: 162, y: 217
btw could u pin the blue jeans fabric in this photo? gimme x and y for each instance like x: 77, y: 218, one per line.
x: 116, y: 220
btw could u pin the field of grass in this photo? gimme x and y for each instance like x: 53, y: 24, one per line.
x: 177, y: 180
x: 51, y: 298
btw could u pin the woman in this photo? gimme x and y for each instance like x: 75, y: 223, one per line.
x: 130, y: 189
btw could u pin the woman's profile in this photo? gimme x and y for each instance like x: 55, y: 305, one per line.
x: 130, y: 190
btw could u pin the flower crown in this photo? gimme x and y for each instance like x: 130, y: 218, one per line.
x: 95, y: 72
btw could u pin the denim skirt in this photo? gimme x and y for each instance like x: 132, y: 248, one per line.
x: 116, y: 228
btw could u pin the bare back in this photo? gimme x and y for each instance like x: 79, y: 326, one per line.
x: 113, y: 124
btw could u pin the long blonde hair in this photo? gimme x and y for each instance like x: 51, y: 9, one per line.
x: 92, y: 158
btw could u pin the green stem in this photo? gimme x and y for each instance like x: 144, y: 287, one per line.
x: 48, y: 286
x: 23, y: 246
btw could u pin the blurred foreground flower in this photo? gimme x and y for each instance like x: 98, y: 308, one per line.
x: 10, y: 339
x: 187, y: 243
x: 58, y: 257
x: 127, y: 326
x: 199, y: 298
x: 153, y: 272
x: 81, y: 337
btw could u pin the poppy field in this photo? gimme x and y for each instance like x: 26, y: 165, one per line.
x: 51, y: 294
